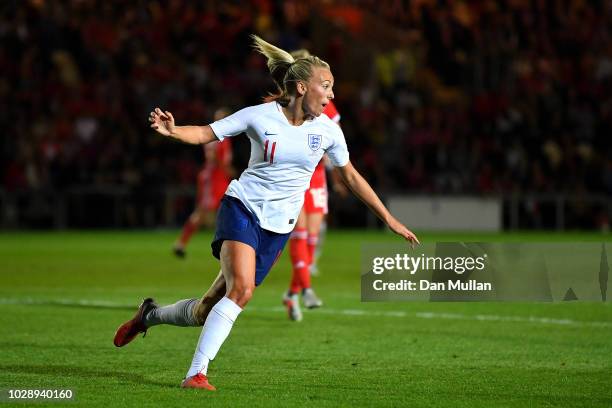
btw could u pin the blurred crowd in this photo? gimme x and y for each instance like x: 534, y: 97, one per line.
x: 489, y: 97
x: 477, y: 97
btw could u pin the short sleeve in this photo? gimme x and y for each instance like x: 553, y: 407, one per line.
x: 233, y: 124
x: 338, y: 151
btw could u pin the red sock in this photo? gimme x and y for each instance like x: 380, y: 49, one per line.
x: 298, y: 251
x: 313, y: 241
x: 188, y: 229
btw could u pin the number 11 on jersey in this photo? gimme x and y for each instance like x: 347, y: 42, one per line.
x: 271, y: 152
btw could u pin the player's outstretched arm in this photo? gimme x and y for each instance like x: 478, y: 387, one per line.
x: 360, y: 187
x: 163, y: 123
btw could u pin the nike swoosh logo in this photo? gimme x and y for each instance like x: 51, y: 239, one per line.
x: 270, y: 134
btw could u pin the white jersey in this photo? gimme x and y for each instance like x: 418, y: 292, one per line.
x: 283, y: 158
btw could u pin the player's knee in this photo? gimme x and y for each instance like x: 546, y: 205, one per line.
x: 241, y: 294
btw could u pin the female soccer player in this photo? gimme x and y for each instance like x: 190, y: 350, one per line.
x: 288, y: 138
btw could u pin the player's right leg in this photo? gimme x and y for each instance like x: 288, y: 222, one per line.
x: 238, y: 266
x: 300, y: 276
x: 315, y: 247
x: 314, y: 219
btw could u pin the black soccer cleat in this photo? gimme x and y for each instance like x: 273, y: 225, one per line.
x: 179, y: 252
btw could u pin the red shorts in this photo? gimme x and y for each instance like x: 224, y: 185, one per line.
x: 315, y: 198
x: 212, y: 183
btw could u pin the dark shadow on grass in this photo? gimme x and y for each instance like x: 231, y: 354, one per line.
x: 72, y: 371
x: 79, y: 305
x: 4, y: 345
x: 76, y: 305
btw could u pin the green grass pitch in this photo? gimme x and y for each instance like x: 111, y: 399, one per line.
x: 63, y: 294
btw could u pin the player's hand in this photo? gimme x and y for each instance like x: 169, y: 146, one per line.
x: 162, y: 121
x: 400, y: 229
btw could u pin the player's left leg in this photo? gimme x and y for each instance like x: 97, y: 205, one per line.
x: 313, y: 225
x: 300, y: 277
x: 298, y: 252
x: 318, y: 249
x: 189, y: 312
x: 186, y: 312
x: 316, y: 224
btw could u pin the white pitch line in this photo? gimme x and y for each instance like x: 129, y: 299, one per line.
x: 326, y: 310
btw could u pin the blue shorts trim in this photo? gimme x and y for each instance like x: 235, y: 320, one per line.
x: 236, y: 223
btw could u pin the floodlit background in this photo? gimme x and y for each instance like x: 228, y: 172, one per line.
x: 505, y: 104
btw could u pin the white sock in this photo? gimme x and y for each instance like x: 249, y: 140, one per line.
x: 216, y: 329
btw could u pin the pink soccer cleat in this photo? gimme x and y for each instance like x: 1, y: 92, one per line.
x: 130, y: 329
x: 198, y: 381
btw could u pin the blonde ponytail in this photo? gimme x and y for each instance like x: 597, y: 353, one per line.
x: 278, y: 60
x: 285, y: 69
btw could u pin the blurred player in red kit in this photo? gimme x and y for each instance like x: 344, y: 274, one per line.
x: 304, y: 239
x: 213, y: 179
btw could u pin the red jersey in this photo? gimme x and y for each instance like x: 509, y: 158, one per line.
x: 214, y: 178
x: 218, y: 154
x: 331, y: 111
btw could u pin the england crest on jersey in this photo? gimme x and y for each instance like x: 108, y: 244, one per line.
x: 314, y: 141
